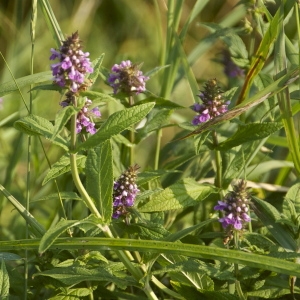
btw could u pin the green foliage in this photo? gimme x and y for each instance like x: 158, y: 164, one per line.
x: 99, y: 178
x: 82, y: 241
x: 4, y: 281
x: 180, y: 195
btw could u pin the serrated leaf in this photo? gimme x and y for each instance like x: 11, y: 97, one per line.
x: 10, y: 86
x: 269, y: 216
x: 148, y: 230
x: 250, y: 132
x: 72, y: 294
x: 54, y: 197
x: 116, y: 123
x: 63, y: 166
x: 35, y: 125
x: 99, y: 178
x: 185, y: 193
x: 74, y: 275
x: 61, y: 119
x: 4, y: 281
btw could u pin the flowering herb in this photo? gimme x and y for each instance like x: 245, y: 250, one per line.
x: 127, y: 77
x: 73, y: 65
x: 235, y: 207
x: 125, y: 191
x: 213, y: 104
x: 70, y: 73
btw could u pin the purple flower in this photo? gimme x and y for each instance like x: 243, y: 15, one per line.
x: 73, y: 65
x: 84, y: 117
x: 127, y: 77
x: 213, y: 104
x: 235, y: 207
x: 124, y: 192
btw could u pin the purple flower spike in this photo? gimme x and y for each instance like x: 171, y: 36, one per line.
x: 127, y: 77
x: 73, y: 65
x: 124, y: 192
x: 235, y: 207
x: 213, y: 104
x: 84, y: 118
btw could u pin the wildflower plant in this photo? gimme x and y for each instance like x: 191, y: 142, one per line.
x: 135, y: 200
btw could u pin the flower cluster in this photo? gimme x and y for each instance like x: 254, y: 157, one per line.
x: 213, y: 103
x: 235, y: 207
x: 73, y: 65
x: 127, y: 77
x: 84, y: 118
x: 230, y: 68
x: 125, y: 191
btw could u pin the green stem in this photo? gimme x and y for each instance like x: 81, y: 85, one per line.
x: 132, y: 137
x: 157, y: 148
x: 218, y: 159
x: 124, y: 256
x: 236, y: 267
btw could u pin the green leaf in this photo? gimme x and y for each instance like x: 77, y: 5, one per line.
x: 154, y: 71
x: 250, y: 132
x: 100, y: 97
x: 74, y: 275
x: 10, y: 86
x: 9, y: 256
x: 198, y: 251
x: 156, y: 120
x: 99, y: 178
x: 35, y: 125
x: 61, y: 119
x: 54, y: 197
x: 234, y: 161
x: 185, y: 193
x: 37, y: 228
x: 147, y: 176
x: 73, y: 294
x: 97, y: 66
x: 51, y: 21
x: 161, y: 103
x: 63, y: 166
x: 116, y: 123
x: 294, y: 195
x: 54, y: 232
x: 4, y: 281
x: 182, y: 233
x: 269, y: 216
